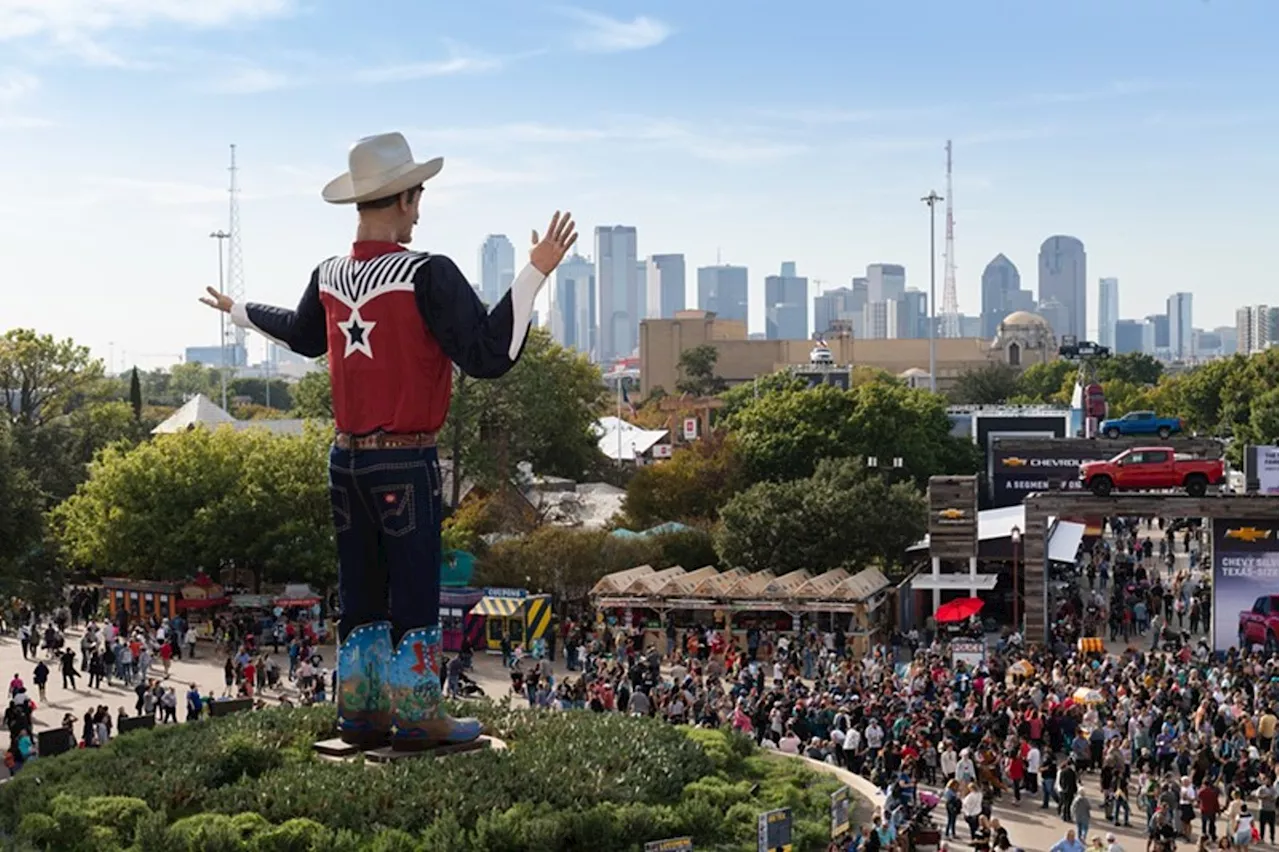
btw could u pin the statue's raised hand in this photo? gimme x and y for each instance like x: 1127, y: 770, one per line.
x: 547, y: 252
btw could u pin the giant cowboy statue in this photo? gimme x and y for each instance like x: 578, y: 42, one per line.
x: 394, y: 322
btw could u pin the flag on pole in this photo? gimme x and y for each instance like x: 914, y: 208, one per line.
x: 626, y: 400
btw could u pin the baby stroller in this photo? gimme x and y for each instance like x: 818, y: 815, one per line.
x: 922, y: 832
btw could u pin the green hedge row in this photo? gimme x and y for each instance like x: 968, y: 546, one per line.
x: 568, y: 781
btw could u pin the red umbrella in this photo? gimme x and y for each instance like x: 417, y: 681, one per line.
x: 958, y: 610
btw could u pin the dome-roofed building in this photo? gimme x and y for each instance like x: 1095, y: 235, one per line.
x: 1023, y: 339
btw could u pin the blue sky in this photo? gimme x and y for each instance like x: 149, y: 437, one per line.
x: 764, y: 132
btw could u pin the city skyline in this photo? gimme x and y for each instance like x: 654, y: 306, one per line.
x: 669, y: 125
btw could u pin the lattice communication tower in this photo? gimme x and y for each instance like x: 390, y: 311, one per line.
x: 950, y: 304
x: 234, y: 337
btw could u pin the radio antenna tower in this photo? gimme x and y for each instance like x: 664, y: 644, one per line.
x: 234, y: 334
x: 950, y: 305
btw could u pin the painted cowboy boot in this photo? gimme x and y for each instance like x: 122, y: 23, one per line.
x: 418, y: 720
x: 364, y: 686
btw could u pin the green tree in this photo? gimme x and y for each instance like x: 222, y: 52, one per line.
x: 841, y: 516
x: 990, y: 385
x: 42, y: 379
x: 739, y: 397
x: 21, y: 524
x: 202, y: 500
x: 542, y: 412
x: 135, y: 394
x: 697, y: 369
x: 1049, y: 383
x: 690, y: 487
x: 187, y: 380
x: 1136, y: 368
x: 312, y: 395
x: 269, y: 393
x: 783, y: 435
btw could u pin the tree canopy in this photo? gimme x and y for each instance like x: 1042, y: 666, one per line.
x: 843, y: 515
x: 690, y: 487
x: 200, y: 500
x: 782, y: 434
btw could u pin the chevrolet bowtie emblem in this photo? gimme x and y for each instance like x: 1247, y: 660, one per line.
x: 1014, y: 461
x: 1249, y: 534
x: 951, y: 514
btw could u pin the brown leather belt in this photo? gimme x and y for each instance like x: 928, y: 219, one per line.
x: 384, y: 441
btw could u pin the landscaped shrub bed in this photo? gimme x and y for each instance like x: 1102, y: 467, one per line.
x: 568, y: 781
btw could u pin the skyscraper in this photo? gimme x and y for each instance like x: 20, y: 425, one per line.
x: 619, y: 296
x: 786, y: 305
x: 1056, y: 314
x: 886, y: 282
x: 913, y: 314
x: 664, y: 286
x: 497, y: 267
x: 1155, y: 334
x: 1062, y: 279
x: 1128, y: 337
x: 1002, y: 294
x: 1108, y: 310
x: 573, y: 304
x: 882, y: 319
x: 723, y: 289
x: 1255, y: 328
x: 1181, y: 333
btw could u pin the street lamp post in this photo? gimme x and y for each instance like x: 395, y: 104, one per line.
x: 932, y: 200
x: 222, y: 319
x: 1015, y: 535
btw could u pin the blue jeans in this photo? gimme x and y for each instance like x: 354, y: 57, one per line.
x: 387, y: 510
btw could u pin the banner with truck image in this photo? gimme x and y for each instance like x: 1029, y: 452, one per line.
x: 1246, y: 565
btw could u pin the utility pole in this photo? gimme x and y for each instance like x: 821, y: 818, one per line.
x: 932, y: 200
x: 220, y: 236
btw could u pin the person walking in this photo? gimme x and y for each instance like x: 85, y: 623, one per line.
x: 69, y: 673
x: 1080, y: 814
x: 1068, y: 843
x: 41, y: 677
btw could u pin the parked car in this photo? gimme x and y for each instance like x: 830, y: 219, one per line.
x: 1137, y: 423
x: 1152, y: 469
x: 1260, y: 625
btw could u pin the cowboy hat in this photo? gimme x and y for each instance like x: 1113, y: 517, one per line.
x: 379, y: 167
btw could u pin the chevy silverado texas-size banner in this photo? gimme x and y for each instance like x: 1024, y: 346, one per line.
x: 1246, y: 564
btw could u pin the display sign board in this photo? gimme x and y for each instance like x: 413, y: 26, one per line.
x: 671, y: 844
x: 841, y: 800
x: 661, y: 451
x: 690, y: 428
x: 953, y: 517
x: 971, y: 652
x: 1246, y: 564
x: 494, y: 592
x: 774, y: 831
x: 1262, y: 469
x: 1018, y: 473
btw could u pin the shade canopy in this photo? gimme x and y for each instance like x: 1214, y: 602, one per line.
x: 958, y: 610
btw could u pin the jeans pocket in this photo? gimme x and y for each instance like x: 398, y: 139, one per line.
x: 340, y: 502
x: 395, y: 507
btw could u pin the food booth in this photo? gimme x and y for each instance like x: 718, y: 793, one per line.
x: 735, y: 601
x: 513, y: 613
x: 144, y: 599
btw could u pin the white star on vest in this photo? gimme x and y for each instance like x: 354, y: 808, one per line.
x: 357, y: 329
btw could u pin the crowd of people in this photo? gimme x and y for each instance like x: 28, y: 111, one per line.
x: 1162, y: 735
x: 140, y: 660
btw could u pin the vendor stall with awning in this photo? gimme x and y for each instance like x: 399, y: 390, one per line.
x: 515, y: 614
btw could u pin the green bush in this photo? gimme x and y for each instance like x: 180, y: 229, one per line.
x: 573, y: 782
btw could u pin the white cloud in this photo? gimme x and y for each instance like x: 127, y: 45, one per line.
x: 726, y: 145
x: 451, y: 67
x: 16, y: 85
x: 160, y: 193
x: 599, y: 33
x: 26, y: 18
x: 247, y: 79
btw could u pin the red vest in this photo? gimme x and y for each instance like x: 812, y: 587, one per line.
x: 387, y: 372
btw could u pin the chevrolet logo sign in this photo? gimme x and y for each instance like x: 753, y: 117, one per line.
x: 1249, y: 534
x: 951, y: 514
x: 1014, y: 461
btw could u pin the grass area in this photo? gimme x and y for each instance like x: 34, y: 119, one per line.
x: 567, y: 782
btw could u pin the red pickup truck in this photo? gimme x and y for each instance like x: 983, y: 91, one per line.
x: 1152, y: 469
x: 1259, y: 626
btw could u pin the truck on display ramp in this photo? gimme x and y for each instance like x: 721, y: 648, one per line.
x: 1141, y: 423
x: 1152, y: 469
